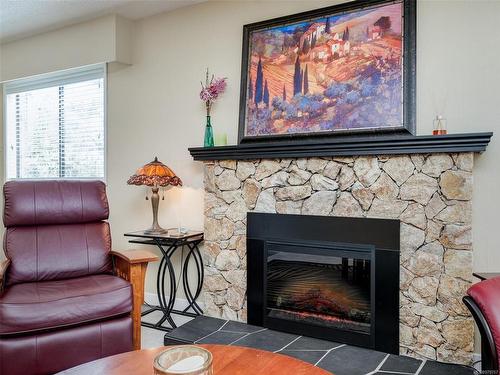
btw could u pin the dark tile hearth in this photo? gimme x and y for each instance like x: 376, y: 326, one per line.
x: 396, y: 362
x: 340, y: 359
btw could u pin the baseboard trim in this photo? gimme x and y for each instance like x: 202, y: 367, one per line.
x: 180, y: 303
x: 476, y: 358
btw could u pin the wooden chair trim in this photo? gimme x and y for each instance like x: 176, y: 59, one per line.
x: 131, y: 266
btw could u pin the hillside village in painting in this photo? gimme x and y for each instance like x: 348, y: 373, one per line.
x: 335, y: 73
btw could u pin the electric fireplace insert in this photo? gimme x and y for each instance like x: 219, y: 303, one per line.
x: 328, y: 277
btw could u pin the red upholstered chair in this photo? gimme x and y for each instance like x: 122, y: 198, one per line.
x: 60, y: 301
x: 483, y: 301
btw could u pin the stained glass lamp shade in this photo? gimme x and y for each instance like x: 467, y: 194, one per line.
x: 155, y: 174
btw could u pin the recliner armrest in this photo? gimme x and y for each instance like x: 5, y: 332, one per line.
x: 4, y: 265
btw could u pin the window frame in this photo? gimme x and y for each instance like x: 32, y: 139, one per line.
x: 51, y: 79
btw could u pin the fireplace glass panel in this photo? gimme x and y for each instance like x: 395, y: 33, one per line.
x: 309, y: 287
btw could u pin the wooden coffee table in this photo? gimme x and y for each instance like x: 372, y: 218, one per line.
x: 228, y: 360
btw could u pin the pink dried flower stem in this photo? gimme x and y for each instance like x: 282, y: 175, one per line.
x: 211, y: 90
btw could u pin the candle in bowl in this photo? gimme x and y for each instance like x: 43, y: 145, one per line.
x: 220, y: 139
x: 185, y: 359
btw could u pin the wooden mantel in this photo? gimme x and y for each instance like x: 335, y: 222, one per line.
x: 374, y: 145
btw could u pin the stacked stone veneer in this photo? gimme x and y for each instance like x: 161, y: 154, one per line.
x: 430, y: 194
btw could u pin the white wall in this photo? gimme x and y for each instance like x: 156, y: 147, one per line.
x: 154, y: 109
x: 96, y: 41
x: 458, y: 75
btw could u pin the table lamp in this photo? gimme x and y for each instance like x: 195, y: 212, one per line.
x: 155, y: 174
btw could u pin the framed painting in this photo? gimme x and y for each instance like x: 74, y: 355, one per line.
x: 345, y: 69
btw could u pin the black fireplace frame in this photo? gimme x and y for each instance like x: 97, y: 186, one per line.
x: 341, y: 249
x: 377, y: 237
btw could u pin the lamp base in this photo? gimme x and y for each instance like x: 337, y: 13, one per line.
x: 155, y: 227
x: 157, y: 230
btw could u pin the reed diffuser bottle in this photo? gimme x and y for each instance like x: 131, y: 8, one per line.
x: 439, y: 127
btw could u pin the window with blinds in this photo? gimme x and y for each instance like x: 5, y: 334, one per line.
x: 55, y: 125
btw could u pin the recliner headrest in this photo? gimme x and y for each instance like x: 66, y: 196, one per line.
x: 54, y: 202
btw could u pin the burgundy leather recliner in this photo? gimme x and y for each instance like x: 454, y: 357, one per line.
x: 483, y: 301
x: 61, y: 304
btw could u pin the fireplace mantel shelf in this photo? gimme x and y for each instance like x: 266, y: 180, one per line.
x: 379, y: 145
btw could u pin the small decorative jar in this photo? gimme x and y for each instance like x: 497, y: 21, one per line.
x: 220, y: 139
x: 185, y: 360
x: 439, y: 127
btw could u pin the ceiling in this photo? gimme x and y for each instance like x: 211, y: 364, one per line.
x: 23, y: 18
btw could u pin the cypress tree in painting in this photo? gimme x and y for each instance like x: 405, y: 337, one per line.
x: 301, y: 76
x: 345, y: 37
x: 313, y: 41
x: 306, y: 81
x: 327, y: 27
x: 305, y: 46
x: 266, y: 94
x: 250, y: 89
x: 297, y: 88
x: 284, y: 93
x: 258, y: 83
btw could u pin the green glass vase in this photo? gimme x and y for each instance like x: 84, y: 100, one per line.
x: 209, y: 134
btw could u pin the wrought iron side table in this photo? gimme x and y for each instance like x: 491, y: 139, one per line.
x: 168, y: 244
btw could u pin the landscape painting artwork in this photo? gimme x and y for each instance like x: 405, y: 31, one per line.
x: 334, y: 73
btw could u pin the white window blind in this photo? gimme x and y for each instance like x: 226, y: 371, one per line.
x: 55, y: 125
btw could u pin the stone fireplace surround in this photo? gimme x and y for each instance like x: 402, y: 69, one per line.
x: 429, y: 193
